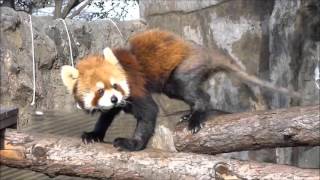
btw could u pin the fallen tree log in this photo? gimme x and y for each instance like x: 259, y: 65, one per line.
x: 297, y: 126
x: 69, y: 156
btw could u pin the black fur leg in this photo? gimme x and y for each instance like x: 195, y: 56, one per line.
x: 145, y: 110
x: 102, y: 125
x: 187, y: 87
x: 200, y: 105
x: 91, y: 137
x: 210, y: 112
x: 126, y: 144
x: 195, y: 121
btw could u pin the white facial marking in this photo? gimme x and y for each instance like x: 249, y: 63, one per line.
x: 87, y: 100
x: 113, y: 81
x: 123, y: 84
x: 100, y: 85
x: 105, y: 101
x: 109, y: 56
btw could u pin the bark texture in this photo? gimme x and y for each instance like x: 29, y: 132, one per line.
x: 61, y: 155
x: 297, y: 126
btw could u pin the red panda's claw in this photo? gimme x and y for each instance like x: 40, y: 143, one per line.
x: 202, y: 125
x: 194, y: 127
x: 90, y: 137
x: 185, y: 117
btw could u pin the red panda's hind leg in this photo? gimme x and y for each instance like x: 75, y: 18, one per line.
x: 199, y: 102
x: 187, y: 87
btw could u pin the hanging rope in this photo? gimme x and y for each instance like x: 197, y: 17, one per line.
x: 69, y: 40
x: 114, y: 24
x: 33, y: 64
x: 70, y: 51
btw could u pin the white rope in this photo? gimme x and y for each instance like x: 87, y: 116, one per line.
x: 317, y: 69
x: 33, y: 64
x: 69, y: 40
x: 70, y: 50
x: 114, y: 24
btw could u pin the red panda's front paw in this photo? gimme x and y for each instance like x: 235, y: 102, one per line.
x: 91, y: 137
x: 126, y: 144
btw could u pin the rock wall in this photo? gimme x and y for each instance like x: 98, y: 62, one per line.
x: 274, y: 40
x: 258, y: 34
x: 293, y: 61
x: 238, y: 27
x: 51, y: 52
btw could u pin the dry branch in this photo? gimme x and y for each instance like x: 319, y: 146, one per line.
x: 61, y: 155
x: 57, y: 9
x: 71, y: 4
x: 297, y: 126
x: 79, y: 9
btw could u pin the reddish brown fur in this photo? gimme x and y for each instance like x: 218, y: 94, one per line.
x: 119, y: 88
x: 133, y: 70
x: 95, y: 99
x: 90, y: 71
x: 158, y: 52
x: 153, y: 55
x: 93, y: 69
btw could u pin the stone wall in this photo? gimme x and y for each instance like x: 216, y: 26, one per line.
x: 238, y: 27
x: 51, y: 52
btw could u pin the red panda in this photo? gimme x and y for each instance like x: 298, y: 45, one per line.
x: 156, y: 61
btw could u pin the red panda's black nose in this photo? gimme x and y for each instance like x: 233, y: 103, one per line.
x: 114, y: 99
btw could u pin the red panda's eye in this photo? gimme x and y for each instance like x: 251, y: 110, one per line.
x: 100, y: 92
x: 115, y: 86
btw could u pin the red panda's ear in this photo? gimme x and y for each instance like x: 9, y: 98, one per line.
x: 69, y: 76
x: 109, y: 56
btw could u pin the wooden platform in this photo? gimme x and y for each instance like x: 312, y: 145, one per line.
x: 8, y: 118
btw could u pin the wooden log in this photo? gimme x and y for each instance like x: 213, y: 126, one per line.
x: 69, y: 156
x: 297, y: 126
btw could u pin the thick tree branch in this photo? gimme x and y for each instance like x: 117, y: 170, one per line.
x: 57, y: 8
x: 71, y: 4
x: 77, y: 11
x: 61, y: 155
x: 297, y: 126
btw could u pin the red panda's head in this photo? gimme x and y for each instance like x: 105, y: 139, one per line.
x: 97, y: 82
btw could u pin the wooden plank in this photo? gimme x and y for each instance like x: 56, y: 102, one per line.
x: 8, y: 117
x: 9, y: 122
x: 2, y: 131
x: 6, y: 112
